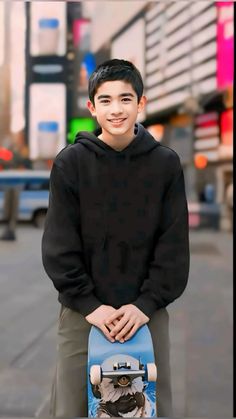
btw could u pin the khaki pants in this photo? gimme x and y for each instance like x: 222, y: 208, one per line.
x: 69, y: 390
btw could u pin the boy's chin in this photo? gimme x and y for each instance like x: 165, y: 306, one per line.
x: 121, y: 130
x: 121, y: 134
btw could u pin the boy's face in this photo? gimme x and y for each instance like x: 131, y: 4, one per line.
x: 116, y: 108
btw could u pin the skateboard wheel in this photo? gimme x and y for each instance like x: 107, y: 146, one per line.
x: 151, y: 372
x: 95, y: 374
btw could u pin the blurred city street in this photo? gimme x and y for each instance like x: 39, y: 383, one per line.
x: 184, y: 52
x: 200, y: 328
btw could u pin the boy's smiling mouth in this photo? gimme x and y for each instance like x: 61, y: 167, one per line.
x: 117, y: 120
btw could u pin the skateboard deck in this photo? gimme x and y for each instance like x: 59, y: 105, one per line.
x: 121, y: 378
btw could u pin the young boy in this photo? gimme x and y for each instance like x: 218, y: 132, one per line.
x: 116, y: 240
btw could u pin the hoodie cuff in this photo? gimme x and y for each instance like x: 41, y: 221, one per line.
x: 83, y: 304
x: 146, y: 304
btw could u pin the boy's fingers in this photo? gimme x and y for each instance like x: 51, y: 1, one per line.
x: 131, y: 333
x: 107, y: 333
x: 119, y: 326
x: 114, y: 316
x: 125, y: 330
x: 114, y: 323
x: 111, y: 326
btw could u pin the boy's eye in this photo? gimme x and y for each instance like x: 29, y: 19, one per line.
x: 104, y: 101
x: 126, y: 99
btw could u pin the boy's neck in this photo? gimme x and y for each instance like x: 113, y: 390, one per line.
x: 112, y: 142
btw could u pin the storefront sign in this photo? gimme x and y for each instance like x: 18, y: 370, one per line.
x: 225, y: 48
x: 48, y: 28
x: 206, y: 133
x: 81, y: 34
x: 80, y: 124
x: 47, y: 124
x: 226, y: 128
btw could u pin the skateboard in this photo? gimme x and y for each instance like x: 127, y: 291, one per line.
x: 122, y: 377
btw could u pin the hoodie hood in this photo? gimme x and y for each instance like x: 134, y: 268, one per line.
x: 142, y: 143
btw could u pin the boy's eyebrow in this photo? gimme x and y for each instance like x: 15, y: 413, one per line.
x: 127, y: 94
x: 121, y: 95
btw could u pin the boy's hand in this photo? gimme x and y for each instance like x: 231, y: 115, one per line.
x: 130, y: 318
x: 98, y: 318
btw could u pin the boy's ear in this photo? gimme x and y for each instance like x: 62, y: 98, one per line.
x: 142, y: 103
x: 91, y: 108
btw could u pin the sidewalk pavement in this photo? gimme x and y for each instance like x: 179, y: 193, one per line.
x: 201, y: 330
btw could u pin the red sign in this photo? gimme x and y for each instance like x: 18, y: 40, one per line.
x: 226, y: 125
x: 5, y: 154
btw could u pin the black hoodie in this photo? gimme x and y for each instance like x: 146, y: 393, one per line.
x: 116, y: 230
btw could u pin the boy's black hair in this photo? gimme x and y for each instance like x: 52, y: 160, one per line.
x: 112, y: 70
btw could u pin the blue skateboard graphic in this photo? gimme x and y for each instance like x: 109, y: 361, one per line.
x: 121, y: 376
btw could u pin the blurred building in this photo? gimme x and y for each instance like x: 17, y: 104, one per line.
x: 4, y: 74
x: 45, y: 63
x: 58, y: 65
x: 181, y: 49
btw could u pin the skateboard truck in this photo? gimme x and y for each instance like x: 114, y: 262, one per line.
x: 119, y: 378
x: 122, y: 375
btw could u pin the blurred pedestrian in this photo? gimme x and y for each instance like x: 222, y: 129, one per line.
x: 10, y: 212
x: 116, y: 242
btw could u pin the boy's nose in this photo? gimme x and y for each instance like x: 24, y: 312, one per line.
x: 116, y: 109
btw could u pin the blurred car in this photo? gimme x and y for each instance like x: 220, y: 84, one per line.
x: 34, y: 193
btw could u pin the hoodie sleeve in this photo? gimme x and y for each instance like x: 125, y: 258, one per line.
x: 169, y: 268
x: 62, y: 252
